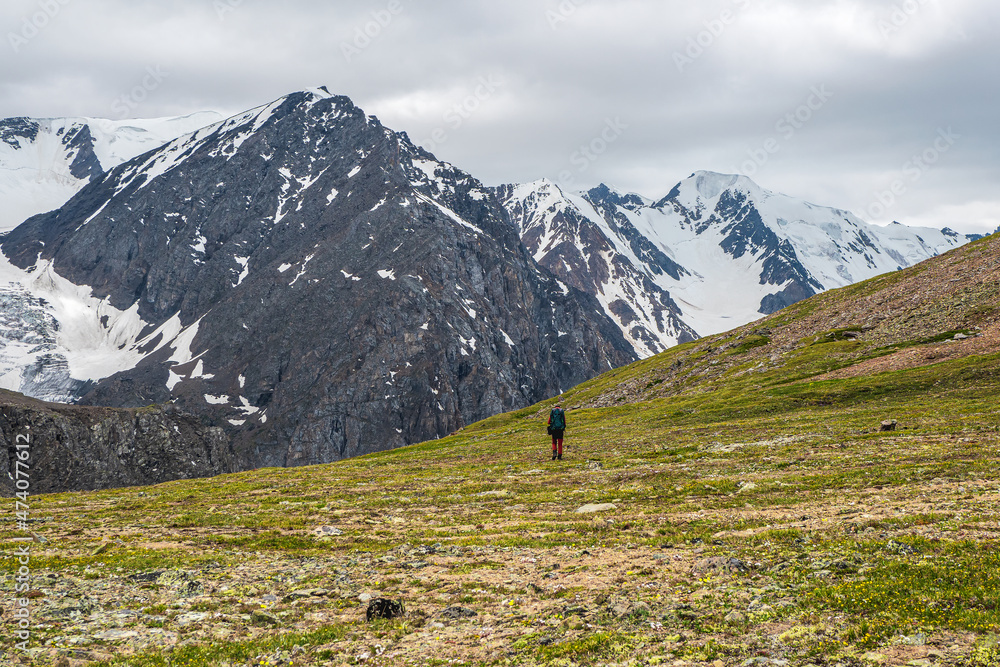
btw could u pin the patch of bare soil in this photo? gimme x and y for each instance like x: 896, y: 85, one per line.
x: 987, y: 342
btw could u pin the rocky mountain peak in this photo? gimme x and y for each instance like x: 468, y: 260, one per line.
x: 13, y: 130
x: 312, y: 282
x: 605, y: 194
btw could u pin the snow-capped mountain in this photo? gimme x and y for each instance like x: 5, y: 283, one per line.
x: 716, y: 252
x: 566, y: 235
x: 302, y: 276
x: 45, y: 161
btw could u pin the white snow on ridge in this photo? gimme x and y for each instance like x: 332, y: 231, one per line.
x: 428, y: 167
x: 302, y: 271
x: 181, y: 341
x: 469, y: 343
x: 173, y: 379
x: 246, y: 408
x: 539, y: 203
x: 245, y: 263
x: 835, y: 247
x: 245, y: 126
x: 36, y: 178
x: 118, y: 141
x: 448, y: 212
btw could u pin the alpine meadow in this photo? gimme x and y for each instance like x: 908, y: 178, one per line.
x: 815, y: 487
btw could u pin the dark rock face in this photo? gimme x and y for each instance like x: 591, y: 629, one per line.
x: 342, y: 291
x: 76, y: 449
x: 80, y: 146
x: 14, y: 129
x: 794, y: 293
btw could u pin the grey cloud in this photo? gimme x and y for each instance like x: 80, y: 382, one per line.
x: 566, y: 68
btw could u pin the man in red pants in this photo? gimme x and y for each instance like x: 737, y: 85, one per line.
x: 557, y: 426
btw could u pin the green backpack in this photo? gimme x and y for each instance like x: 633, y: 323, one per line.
x: 558, y: 418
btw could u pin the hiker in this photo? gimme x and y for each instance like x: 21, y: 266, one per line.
x: 557, y: 425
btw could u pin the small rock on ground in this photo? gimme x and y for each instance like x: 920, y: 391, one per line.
x: 601, y: 507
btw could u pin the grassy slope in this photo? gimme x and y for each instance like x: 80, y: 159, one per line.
x: 761, y: 445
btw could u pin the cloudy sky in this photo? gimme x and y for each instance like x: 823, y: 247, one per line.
x: 888, y: 108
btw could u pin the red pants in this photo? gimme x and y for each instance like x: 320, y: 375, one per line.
x: 557, y: 445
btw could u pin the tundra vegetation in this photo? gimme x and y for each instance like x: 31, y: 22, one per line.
x: 743, y: 506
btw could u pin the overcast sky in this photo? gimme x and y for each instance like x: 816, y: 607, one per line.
x: 888, y: 108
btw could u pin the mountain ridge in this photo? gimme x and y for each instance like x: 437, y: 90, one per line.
x: 759, y: 506
x: 717, y: 251
x: 312, y: 282
x: 144, y: 287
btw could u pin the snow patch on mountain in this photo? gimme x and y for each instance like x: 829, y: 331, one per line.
x: 567, y: 235
x: 48, y: 322
x: 44, y: 162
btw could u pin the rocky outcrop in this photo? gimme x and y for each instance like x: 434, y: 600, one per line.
x: 76, y: 448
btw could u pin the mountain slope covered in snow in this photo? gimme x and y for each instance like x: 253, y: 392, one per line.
x: 569, y: 237
x: 45, y: 161
x: 716, y: 252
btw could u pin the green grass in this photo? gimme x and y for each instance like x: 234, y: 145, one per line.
x: 254, y: 652
x: 952, y: 586
x: 600, y: 645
